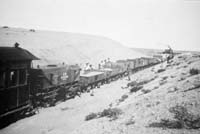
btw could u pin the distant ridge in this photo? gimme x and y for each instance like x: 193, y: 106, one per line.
x: 72, y: 48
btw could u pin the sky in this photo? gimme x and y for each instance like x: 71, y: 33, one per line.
x: 134, y: 23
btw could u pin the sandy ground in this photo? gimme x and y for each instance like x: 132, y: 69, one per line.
x: 167, y: 89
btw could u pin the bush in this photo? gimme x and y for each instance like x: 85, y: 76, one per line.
x: 123, y: 98
x: 32, y: 30
x: 135, y: 88
x: 166, y: 124
x: 130, y: 122
x: 162, y: 82
x: 145, y: 91
x: 5, y: 27
x: 160, y: 70
x: 194, y: 71
x: 186, y: 119
x: 91, y: 116
x: 183, y: 119
x: 112, y: 113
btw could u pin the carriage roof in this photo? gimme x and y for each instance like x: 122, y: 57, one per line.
x: 15, y: 54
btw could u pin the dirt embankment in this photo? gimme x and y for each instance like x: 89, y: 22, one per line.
x: 162, y: 99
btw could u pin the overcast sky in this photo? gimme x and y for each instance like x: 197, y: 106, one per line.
x: 134, y: 23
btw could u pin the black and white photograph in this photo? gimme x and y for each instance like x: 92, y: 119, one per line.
x: 99, y: 66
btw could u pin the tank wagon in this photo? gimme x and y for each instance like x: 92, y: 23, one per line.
x: 52, y: 83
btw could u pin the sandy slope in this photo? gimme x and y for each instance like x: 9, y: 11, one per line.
x: 71, y: 48
x: 167, y: 89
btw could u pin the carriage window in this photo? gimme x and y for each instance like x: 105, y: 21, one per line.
x: 13, y: 78
x: 2, y: 80
x: 22, y: 76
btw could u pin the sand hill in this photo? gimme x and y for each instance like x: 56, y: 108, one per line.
x: 71, y: 48
x: 167, y: 102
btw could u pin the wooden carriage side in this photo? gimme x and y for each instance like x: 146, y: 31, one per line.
x: 15, y: 64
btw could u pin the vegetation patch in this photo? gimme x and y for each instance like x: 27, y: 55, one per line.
x: 194, y: 71
x: 5, y: 27
x: 130, y: 122
x: 160, y: 70
x: 123, y: 98
x: 145, y: 91
x: 32, y: 30
x: 112, y: 113
x: 91, y: 116
x: 135, y: 88
x: 162, y: 82
x: 164, y: 78
x: 182, y: 119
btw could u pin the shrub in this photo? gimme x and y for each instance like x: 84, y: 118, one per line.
x: 135, y: 88
x: 194, y: 71
x: 5, y: 27
x: 165, y: 123
x: 162, y: 82
x: 145, y: 91
x: 183, y: 119
x: 32, y: 30
x: 91, y: 116
x: 112, y: 113
x: 160, y: 70
x: 130, y: 122
x: 164, y: 78
x: 123, y: 98
x: 131, y: 84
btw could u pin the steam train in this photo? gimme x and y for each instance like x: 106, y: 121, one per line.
x: 23, y: 88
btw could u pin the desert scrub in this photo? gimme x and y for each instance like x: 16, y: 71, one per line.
x: 112, y: 113
x: 160, y: 70
x: 194, y: 71
x: 123, y: 98
x: 164, y: 78
x: 145, y: 91
x: 91, y: 116
x: 135, y: 88
x: 130, y: 121
x: 182, y: 119
x: 162, y: 82
x: 5, y: 27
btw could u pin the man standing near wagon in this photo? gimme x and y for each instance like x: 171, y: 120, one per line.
x: 128, y: 72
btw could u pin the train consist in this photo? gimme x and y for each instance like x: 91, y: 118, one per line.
x: 23, y: 88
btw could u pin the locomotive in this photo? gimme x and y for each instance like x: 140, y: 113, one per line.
x: 23, y: 88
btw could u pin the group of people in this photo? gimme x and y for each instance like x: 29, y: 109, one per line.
x: 89, y: 67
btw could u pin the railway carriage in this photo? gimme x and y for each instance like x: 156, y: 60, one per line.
x: 91, y: 79
x: 15, y: 64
